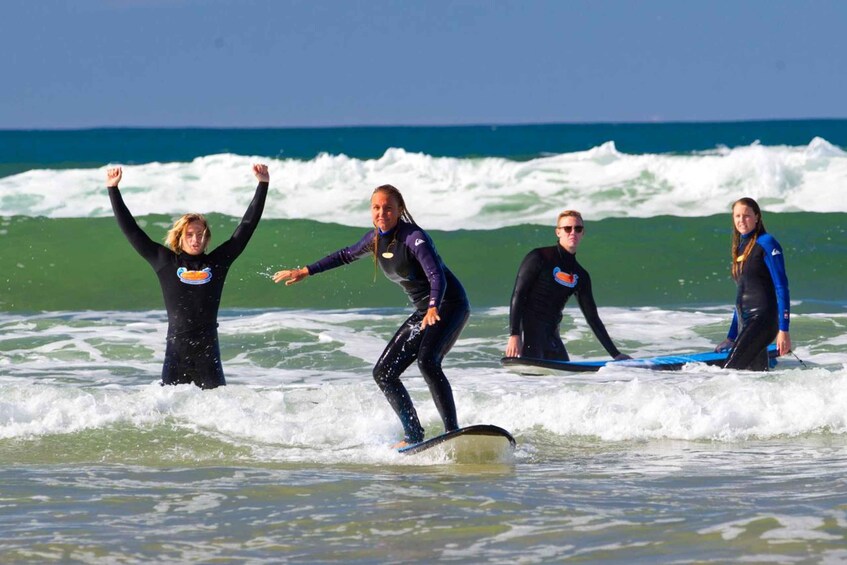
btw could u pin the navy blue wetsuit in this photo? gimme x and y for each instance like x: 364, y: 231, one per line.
x: 547, y: 278
x: 762, y: 306
x: 408, y: 257
x: 191, y: 286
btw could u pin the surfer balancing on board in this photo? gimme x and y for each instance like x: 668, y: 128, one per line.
x: 192, y: 281
x: 547, y: 278
x: 762, y: 309
x: 406, y: 255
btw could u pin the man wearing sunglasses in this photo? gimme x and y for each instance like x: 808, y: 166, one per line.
x: 547, y: 278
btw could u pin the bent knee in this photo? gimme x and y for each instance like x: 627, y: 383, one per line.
x: 429, y: 366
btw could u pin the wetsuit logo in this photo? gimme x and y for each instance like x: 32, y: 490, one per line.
x: 565, y: 279
x: 194, y: 277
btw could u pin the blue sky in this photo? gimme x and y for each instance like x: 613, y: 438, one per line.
x: 264, y: 63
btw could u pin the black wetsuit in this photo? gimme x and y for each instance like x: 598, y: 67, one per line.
x: 762, y: 306
x: 407, y: 257
x: 547, y: 278
x: 192, y: 287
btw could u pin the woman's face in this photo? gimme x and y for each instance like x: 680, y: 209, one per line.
x: 385, y: 211
x: 744, y: 218
x: 194, y: 238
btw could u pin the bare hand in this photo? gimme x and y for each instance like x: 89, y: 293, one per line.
x: 783, y: 343
x: 261, y: 172
x: 113, y: 176
x: 514, y: 346
x: 291, y: 276
x: 725, y: 345
x: 430, y: 318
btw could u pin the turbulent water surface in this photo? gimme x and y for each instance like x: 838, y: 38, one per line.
x: 292, y: 460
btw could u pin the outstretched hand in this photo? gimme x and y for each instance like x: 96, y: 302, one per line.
x: 113, y: 176
x: 261, y: 172
x: 291, y: 276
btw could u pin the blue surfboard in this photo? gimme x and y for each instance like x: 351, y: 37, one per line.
x: 530, y: 366
x: 481, y: 443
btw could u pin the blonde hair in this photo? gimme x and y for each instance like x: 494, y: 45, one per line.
x: 174, y: 237
x: 738, y: 259
x: 569, y: 213
x: 390, y: 190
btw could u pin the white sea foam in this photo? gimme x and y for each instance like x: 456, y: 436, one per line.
x: 296, y: 377
x: 451, y: 193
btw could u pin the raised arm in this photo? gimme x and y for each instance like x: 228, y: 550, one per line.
x: 235, y: 245
x: 140, y: 241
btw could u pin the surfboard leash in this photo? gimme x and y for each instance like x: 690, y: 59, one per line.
x: 791, y: 351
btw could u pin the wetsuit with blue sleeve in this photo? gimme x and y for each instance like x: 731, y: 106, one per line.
x: 191, y: 287
x: 407, y: 256
x: 762, y: 305
x: 547, y: 278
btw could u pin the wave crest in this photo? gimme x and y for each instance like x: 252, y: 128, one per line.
x: 455, y: 193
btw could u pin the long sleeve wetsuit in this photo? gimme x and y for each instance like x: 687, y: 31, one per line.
x: 547, y: 278
x: 762, y: 306
x: 408, y: 257
x: 191, y: 288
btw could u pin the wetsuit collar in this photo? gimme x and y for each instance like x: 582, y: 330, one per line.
x: 563, y: 250
x: 389, y: 232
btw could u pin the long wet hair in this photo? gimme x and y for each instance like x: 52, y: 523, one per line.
x: 390, y: 190
x: 738, y: 259
x: 174, y: 237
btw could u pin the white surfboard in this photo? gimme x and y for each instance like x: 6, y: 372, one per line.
x: 473, y: 444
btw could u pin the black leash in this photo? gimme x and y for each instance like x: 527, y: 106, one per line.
x: 791, y: 351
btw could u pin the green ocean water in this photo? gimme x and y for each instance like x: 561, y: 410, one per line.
x: 86, y: 264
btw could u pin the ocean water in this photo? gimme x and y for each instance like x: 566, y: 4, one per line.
x: 291, y: 461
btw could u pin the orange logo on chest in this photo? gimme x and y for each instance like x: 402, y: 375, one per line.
x: 194, y: 277
x: 565, y: 279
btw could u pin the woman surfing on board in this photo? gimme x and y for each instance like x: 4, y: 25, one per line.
x: 406, y: 255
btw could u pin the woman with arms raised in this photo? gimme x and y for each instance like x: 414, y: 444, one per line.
x: 191, y: 280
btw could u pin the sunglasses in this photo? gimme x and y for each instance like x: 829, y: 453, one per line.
x: 569, y: 229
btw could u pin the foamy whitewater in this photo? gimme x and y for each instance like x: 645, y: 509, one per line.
x: 295, y: 375
x: 482, y: 193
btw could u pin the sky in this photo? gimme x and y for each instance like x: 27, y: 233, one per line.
x: 315, y: 63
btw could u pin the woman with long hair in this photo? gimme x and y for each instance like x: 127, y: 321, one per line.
x: 192, y: 281
x: 407, y: 256
x: 762, y: 309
